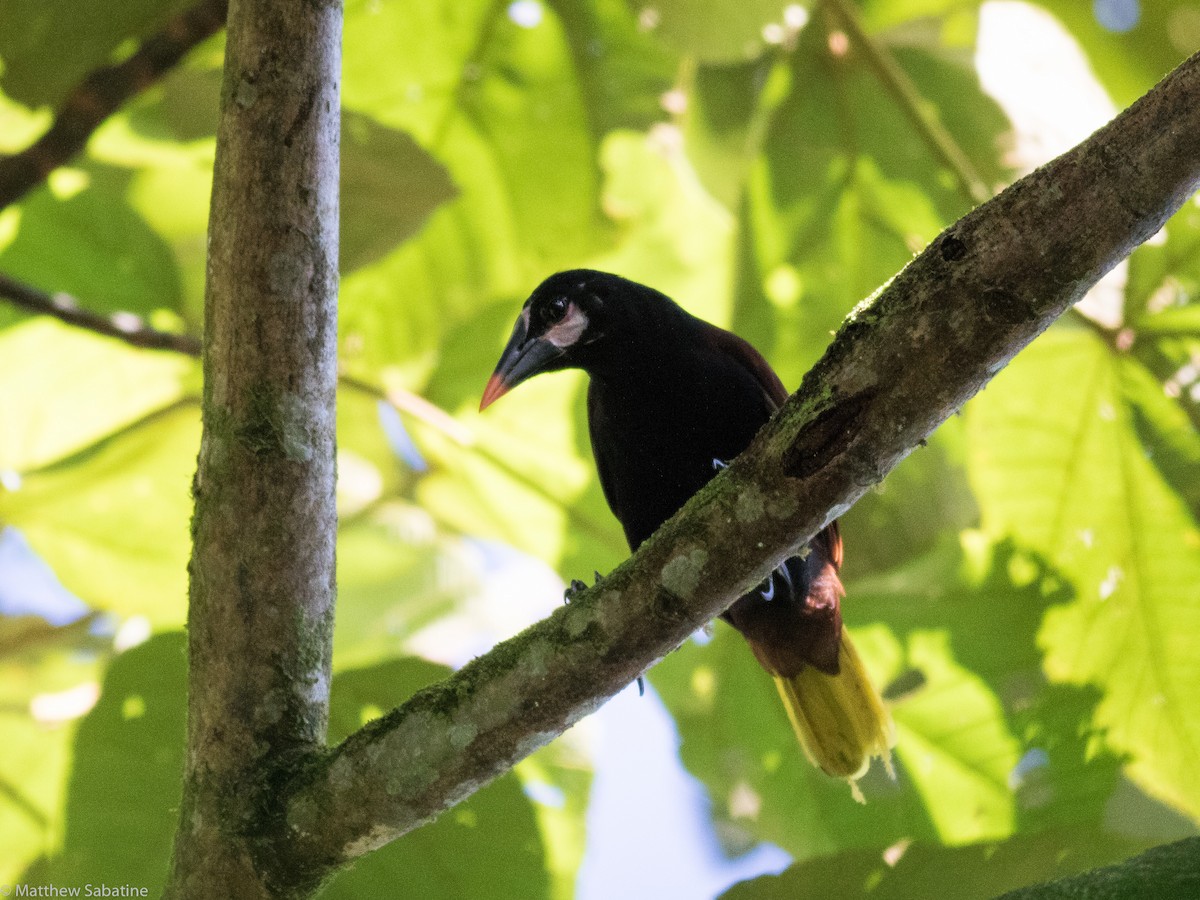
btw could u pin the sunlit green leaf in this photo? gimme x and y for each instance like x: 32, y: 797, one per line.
x: 499, y: 106
x: 49, y: 45
x: 44, y: 685
x: 112, y: 521
x: 68, y: 389
x: 1071, y: 478
x: 846, y: 190
x: 622, y: 68
x: 922, y: 869
x: 128, y: 756
x: 396, y: 576
x: 83, y: 237
x: 716, y: 30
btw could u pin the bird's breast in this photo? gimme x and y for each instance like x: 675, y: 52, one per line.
x: 655, y: 448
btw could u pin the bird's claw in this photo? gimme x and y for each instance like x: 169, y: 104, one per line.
x: 578, y: 586
x: 574, y: 589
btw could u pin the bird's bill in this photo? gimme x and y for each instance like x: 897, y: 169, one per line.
x: 522, y: 358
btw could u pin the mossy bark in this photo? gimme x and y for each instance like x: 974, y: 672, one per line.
x: 260, y: 618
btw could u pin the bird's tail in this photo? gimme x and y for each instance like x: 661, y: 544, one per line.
x: 840, y: 719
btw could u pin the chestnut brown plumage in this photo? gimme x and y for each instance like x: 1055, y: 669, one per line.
x: 671, y: 399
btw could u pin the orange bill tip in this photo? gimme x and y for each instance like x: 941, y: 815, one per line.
x: 496, y: 388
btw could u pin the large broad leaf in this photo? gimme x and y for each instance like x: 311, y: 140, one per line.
x: 49, y: 45
x: 716, y: 31
x: 975, y: 872
x: 83, y: 237
x: 396, y: 575
x: 47, y: 679
x: 389, y: 187
x: 62, y: 389
x: 112, y: 520
x: 623, y: 69
x: 1069, y: 476
x: 846, y: 189
x: 968, y: 701
x: 498, y: 105
x: 128, y: 756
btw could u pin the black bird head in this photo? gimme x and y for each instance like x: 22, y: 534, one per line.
x: 561, y: 326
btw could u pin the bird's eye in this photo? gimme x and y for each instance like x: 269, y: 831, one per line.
x: 556, y: 309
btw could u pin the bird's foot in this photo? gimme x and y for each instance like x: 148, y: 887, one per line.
x: 578, y: 586
x: 574, y: 589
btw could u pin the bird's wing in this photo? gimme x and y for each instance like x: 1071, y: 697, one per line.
x: 829, y: 541
x: 749, y: 359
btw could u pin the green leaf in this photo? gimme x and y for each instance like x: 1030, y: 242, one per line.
x: 68, y: 389
x: 845, y: 191
x: 81, y: 236
x: 622, y: 69
x: 1071, y: 478
x: 389, y: 188
x: 713, y: 31
x: 968, y: 701
x: 49, y: 45
x: 112, y: 521
x: 526, y: 481
x: 128, y: 756
x: 396, y: 575
x: 926, y: 870
x: 44, y: 677
x: 501, y: 108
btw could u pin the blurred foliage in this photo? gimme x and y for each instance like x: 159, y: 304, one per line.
x: 1026, y: 585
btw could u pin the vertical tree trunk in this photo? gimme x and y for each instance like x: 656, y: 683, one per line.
x: 262, y: 572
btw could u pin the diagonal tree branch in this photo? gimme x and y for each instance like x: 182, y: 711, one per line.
x: 102, y: 93
x: 900, y: 365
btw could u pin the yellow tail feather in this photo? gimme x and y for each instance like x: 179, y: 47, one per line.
x: 840, y: 719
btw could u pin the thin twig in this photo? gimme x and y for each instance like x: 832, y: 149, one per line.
x: 415, y: 405
x: 132, y: 329
x: 905, y: 93
x: 101, y: 93
x: 124, y: 326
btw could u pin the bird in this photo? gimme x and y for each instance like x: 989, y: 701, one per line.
x: 671, y: 400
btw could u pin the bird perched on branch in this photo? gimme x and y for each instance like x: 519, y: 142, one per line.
x: 671, y: 399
